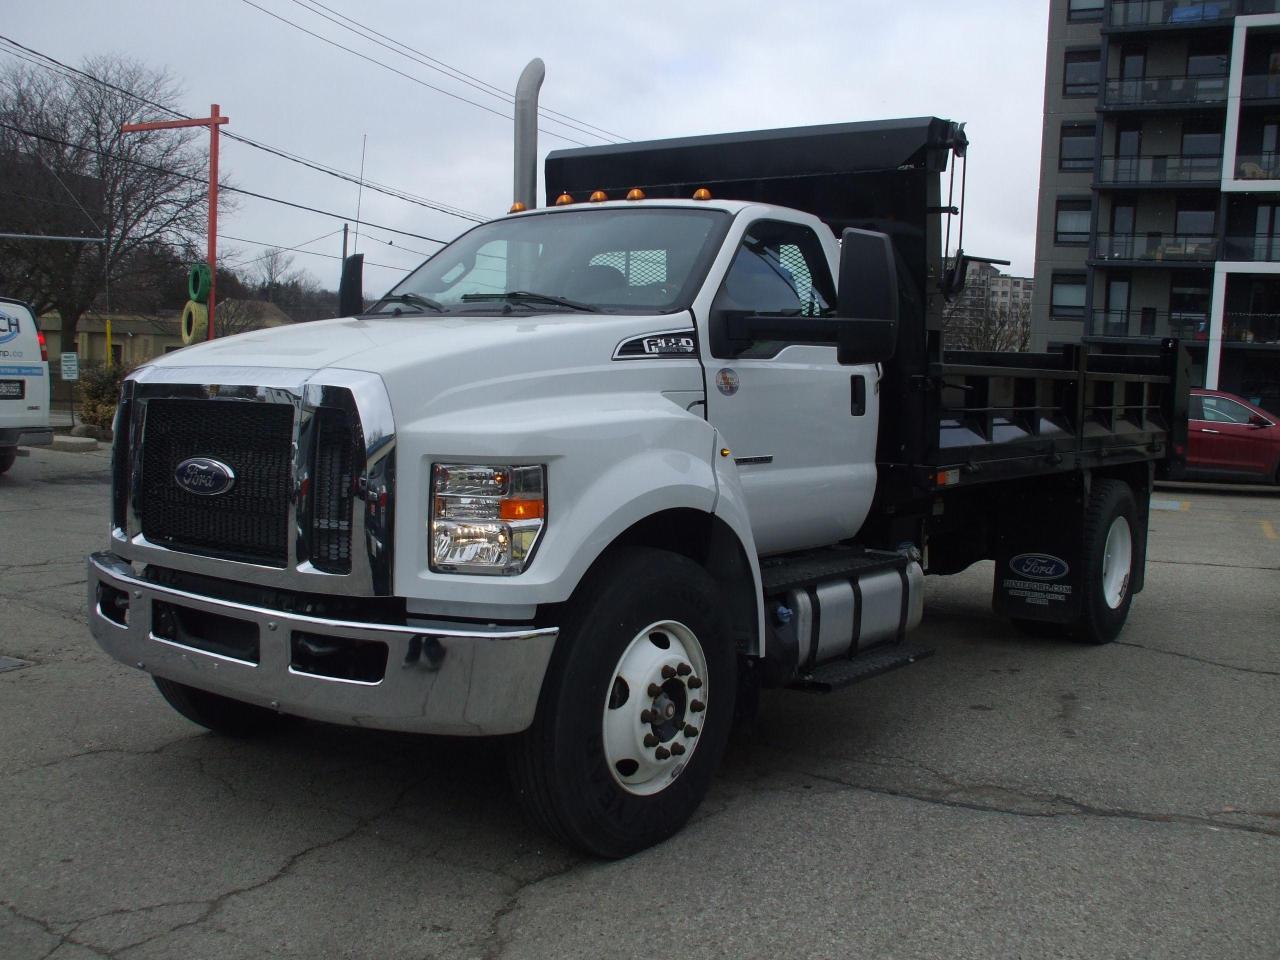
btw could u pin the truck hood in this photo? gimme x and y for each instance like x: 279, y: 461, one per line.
x: 422, y: 358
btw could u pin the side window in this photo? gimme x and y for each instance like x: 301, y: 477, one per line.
x: 780, y: 269
x: 1195, y: 407
x: 1222, y: 410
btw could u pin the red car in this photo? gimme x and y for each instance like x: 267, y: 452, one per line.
x: 1231, y: 439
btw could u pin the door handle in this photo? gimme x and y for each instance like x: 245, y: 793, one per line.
x: 858, y: 395
x: 1207, y: 430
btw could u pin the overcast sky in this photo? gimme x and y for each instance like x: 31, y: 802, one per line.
x: 663, y: 69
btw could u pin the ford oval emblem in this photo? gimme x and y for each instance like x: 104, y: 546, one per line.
x: 204, y: 476
x: 1039, y: 566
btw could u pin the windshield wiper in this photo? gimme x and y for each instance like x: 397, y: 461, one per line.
x: 528, y: 296
x: 413, y: 299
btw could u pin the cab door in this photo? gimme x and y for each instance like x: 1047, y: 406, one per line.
x: 800, y: 427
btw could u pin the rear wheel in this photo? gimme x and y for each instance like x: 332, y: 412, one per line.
x: 231, y: 718
x: 1110, y: 551
x: 7, y: 457
x: 636, y: 707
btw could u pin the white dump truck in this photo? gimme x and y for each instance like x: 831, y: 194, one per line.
x: 597, y: 471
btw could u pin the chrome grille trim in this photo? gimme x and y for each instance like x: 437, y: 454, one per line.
x: 365, y: 397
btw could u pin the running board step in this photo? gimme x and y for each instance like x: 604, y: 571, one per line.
x: 843, y: 673
x: 799, y: 570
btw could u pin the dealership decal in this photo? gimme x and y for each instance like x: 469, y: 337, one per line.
x: 1039, y: 566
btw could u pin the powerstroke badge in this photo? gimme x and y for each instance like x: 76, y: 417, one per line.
x: 727, y: 381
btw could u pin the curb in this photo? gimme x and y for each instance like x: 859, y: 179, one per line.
x: 73, y: 444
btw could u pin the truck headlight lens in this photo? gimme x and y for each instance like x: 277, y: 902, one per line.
x: 485, y: 519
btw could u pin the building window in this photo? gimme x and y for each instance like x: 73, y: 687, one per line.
x: 1075, y: 146
x: 1080, y: 74
x: 1066, y: 301
x: 1084, y: 11
x: 1071, y: 224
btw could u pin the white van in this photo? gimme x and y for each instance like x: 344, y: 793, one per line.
x: 24, y: 382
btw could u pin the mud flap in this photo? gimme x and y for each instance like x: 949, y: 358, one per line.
x: 1040, y: 557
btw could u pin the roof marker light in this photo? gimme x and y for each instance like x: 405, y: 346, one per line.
x: 599, y: 197
x: 517, y: 207
x: 702, y: 193
x: 563, y: 200
x: 635, y: 193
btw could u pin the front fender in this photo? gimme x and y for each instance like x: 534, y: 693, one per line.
x: 731, y: 507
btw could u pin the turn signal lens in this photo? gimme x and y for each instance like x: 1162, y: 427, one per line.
x: 517, y: 207
x: 563, y: 199
x: 44, y: 346
x: 599, y: 197
x: 635, y: 193
x: 702, y: 193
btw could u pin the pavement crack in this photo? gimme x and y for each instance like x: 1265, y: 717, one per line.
x: 496, y: 942
x: 1210, y: 563
x: 1193, y: 657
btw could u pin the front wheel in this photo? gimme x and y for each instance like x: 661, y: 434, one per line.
x: 7, y: 457
x: 636, y: 707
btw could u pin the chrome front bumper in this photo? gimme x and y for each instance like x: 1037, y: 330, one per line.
x: 470, y: 681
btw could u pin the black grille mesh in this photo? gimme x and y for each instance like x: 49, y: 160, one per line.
x: 331, y: 504
x: 250, y: 521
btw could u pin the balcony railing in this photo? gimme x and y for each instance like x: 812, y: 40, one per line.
x: 1156, y: 247
x: 1155, y: 91
x: 1192, y: 326
x: 1155, y: 13
x: 1260, y: 86
x: 1263, y: 247
x: 1130, y: 171
x: 1258, y: 166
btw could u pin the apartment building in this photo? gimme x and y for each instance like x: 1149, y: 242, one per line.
x: 1159, y: 210
x: 991, y: 312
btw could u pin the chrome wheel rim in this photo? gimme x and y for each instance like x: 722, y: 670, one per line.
x: 654, y: 708
x: 1117, y: 562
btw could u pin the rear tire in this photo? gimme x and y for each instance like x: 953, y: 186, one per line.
x: 231, y: 718
x: 1110, y: 551
x: 7, y: 458
x: 609, y: 765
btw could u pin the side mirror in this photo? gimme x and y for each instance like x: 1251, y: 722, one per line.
x: 868, y: 298
x: 351, y: 287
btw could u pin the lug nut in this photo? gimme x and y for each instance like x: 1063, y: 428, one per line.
x: 668, y: 671
x: 650, y: 740
x: 654, y: 690
x: 695, y: 683
x: 662, y: 753
x: 690, y: 730
x: 677, y: 749
x: 697, y: 706
x: 648, y: 716
x: 684, y: 669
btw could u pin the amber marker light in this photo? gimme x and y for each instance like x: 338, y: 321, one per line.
x: 635, y: 193
x: 517, y: 207
x: 522, y: 509
x: 702, y: 193
x: 599, y: 197
x: 563, y: 200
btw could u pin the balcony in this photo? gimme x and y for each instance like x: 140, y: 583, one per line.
x: 1160, y: 170
x: 1258, y: 247
x: 1150, y: 322
x: 1258, y: 166
x: 1260, y: 86
x: 1251, y: 328
x: 1183, y: 13
x: 1157, y: 247
x: 1166, y: 91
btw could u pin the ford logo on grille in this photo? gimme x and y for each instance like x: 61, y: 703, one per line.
x: 204, y: 477
x: 1039, y: 566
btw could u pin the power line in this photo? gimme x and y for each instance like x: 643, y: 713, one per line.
x: 226, y: 189
x: 407, y: 76
x: 73, y: 73
x: 453, y: 73
x: 310, y: 253
x: 241, y: 264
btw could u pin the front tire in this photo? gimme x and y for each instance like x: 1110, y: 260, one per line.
x: 231, y: 718
x: 1110, y: 551
x: 636, y: 707
x: 8, y: 456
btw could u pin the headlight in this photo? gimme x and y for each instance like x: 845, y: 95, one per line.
x: 485, y: 519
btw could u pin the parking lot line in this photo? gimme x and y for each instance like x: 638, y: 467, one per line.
x: 1269, y: 530
x: 1182, y: 505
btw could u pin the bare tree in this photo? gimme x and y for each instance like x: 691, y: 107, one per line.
x: 69, y: 170
x: 1001, y: 328
x: 275, y: 270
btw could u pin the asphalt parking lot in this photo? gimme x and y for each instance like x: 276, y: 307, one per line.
x: 1006, y: 798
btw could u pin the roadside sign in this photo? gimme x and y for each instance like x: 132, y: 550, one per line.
x: 70, y: 366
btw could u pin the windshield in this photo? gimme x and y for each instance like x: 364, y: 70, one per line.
x: 627, y: 260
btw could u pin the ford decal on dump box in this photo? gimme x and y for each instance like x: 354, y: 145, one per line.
x: 456, y: 513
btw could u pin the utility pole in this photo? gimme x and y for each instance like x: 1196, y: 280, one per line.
x: 213, y: 121
x: 345, y: 228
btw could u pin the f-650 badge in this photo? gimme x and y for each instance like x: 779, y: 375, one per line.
x: 666, y: 343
